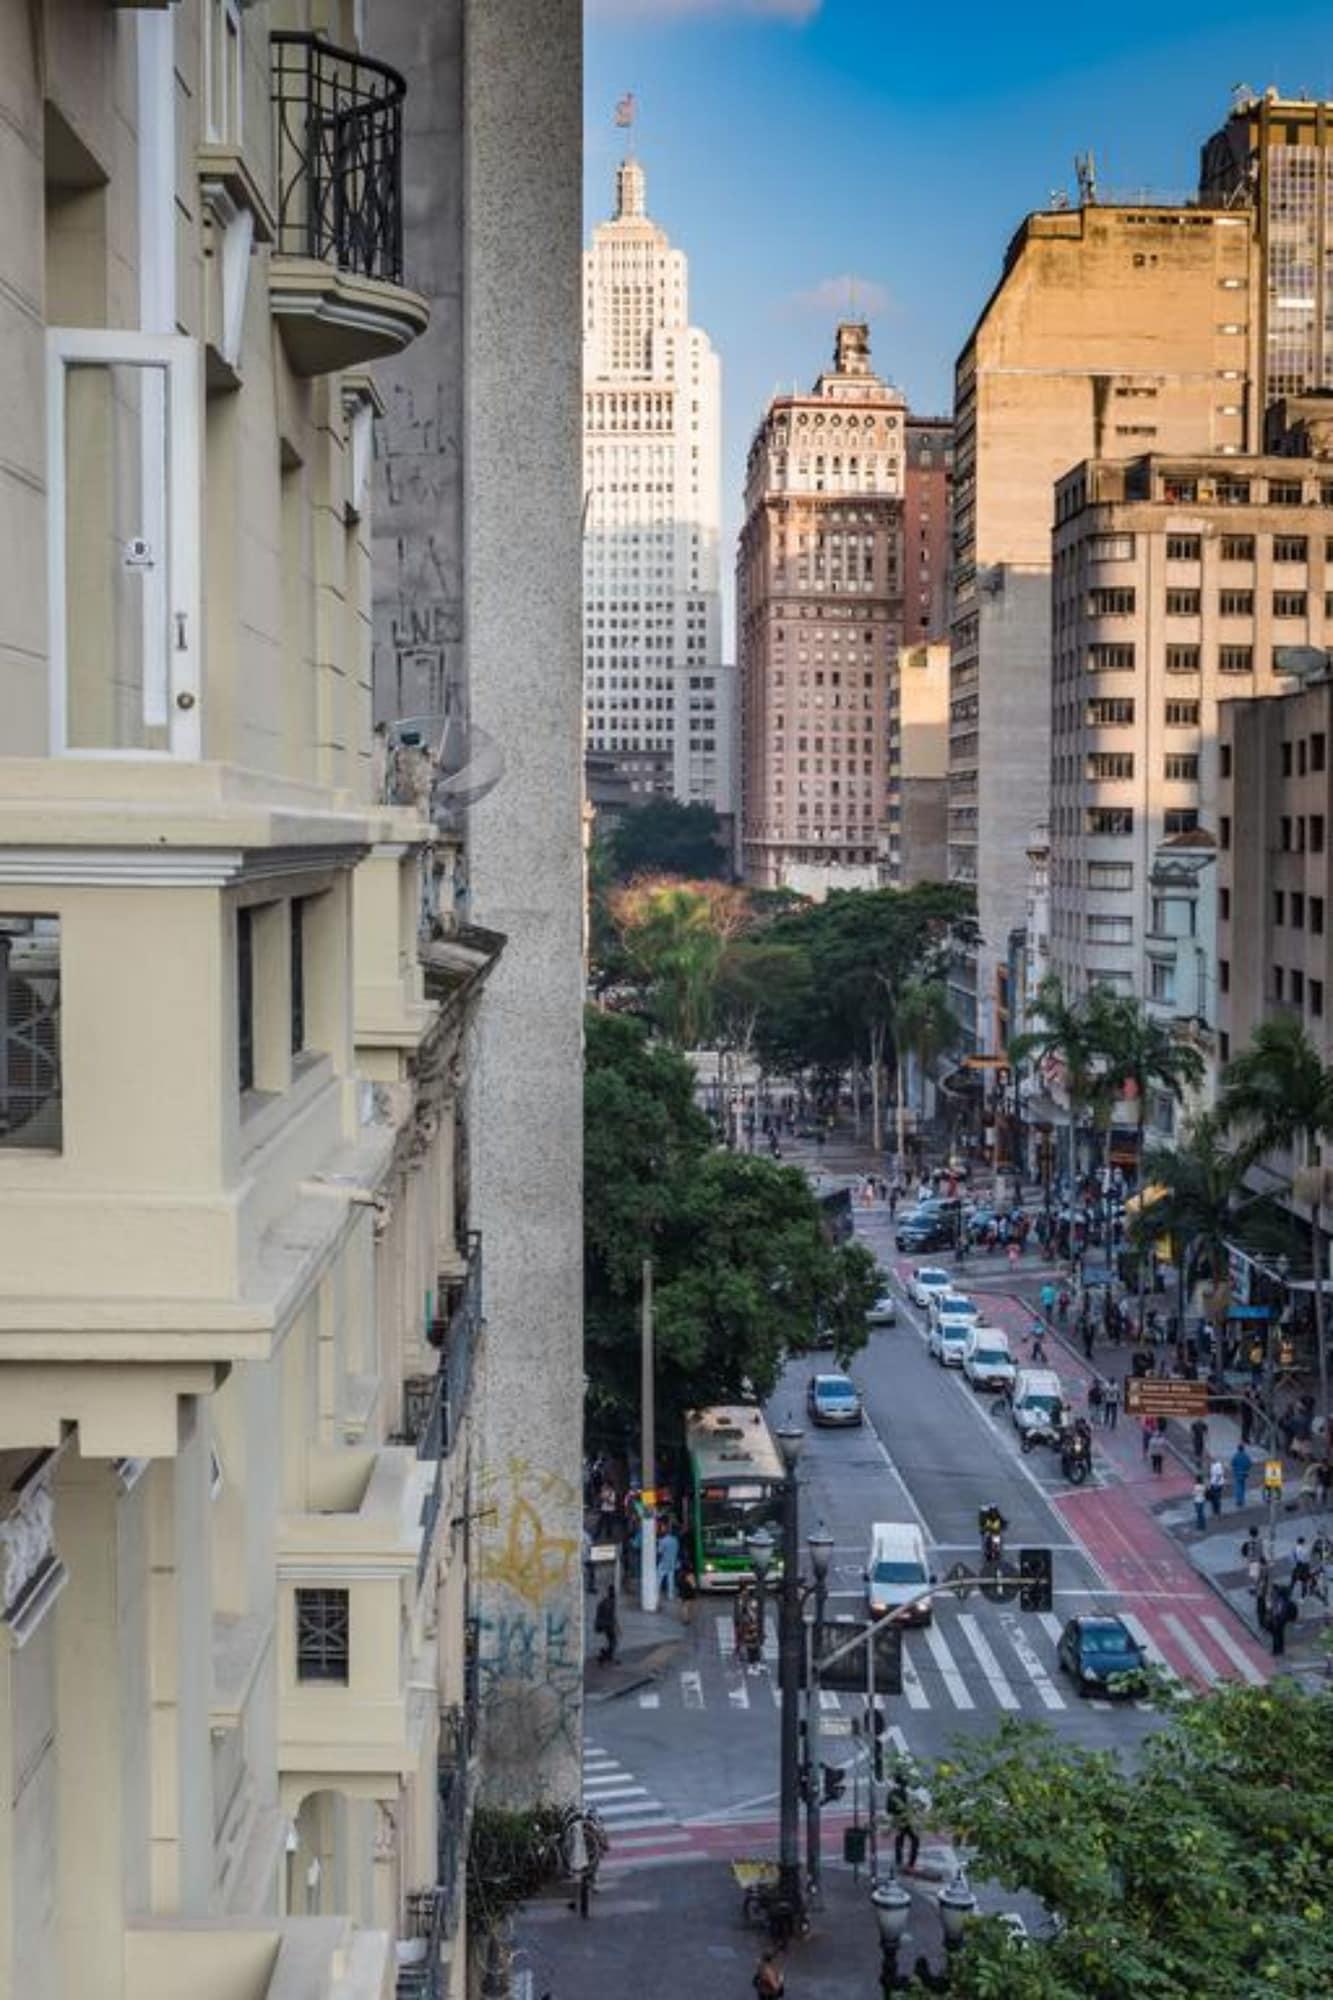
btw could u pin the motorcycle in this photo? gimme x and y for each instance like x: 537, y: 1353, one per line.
x: 992, y: 1547
x: 1075, y: 1457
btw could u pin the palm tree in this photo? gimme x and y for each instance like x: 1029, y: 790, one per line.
x: 1067, y: 1033
x: 925, y: 1027
x: 1147, y: 1053
x: 1193, y: 1185
x: 1281, y: 1092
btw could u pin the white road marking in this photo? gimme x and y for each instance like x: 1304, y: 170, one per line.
x: 692, y: 1687
x: 829, y: 1700
x: 663, y: 1836
x: 1154, y: 1652
x: 912, y: 1688
x: 650, y: 1700
x: 949, y: 1673
x: 726, y: 1637
x: 739, y: 1695
x: 1032, y: 1666
x: 1051, y: 1625
x: 987, y: 1661
x: 1218, y: 1633
x: 1190, y: 1646
x: 613, y: 1789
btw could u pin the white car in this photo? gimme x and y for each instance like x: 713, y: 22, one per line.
x: 987, y: 1362
x: 884, y: 1312
x: 925, y: 1281
x: 952, y: 1318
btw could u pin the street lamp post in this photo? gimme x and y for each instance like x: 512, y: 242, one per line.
x: 821, y: 1554
x: 892, y: 1906
x: 790, y: 1438
x: 956, y: 1905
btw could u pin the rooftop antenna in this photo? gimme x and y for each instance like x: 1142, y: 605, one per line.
x: 1085, y: 169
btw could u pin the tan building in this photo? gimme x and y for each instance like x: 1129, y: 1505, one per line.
x: 918, y: 740
x: 1275, y: 864
x: 820, y: 621
x: 927, y: 528
x: 240, y: 1279
x: 1113, y: 331
x: 1175, y: 581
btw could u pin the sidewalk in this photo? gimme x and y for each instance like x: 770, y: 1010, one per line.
x: 649, y: 1644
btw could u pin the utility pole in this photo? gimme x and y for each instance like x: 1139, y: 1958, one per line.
x: 791, y: 1635
x: 648, y: 1455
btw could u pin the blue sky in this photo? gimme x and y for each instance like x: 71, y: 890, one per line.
x: 793, y: 144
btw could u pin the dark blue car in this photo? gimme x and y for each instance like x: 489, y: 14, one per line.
x: 1102, y: 1655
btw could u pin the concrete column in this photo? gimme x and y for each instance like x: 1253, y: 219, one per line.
x: 92, y: 1698
x: 523, y: 607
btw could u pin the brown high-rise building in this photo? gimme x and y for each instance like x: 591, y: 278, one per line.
x: 820, y: 622
x: 926, y: 529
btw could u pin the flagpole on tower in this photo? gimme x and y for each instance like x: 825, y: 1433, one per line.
x: 626, y: 111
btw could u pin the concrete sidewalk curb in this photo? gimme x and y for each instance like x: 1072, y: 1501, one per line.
x: 643, y: 1669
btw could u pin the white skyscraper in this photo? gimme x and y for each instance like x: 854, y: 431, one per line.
x: 658, y: 701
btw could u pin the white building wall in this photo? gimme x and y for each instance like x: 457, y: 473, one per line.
x: 653, y: 503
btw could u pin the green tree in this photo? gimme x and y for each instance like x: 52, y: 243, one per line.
x: 1067, y: 1033
x: 1149, y: 1055
x: 924, y: 1028
x: 1279, y: 1091
x: 1202, y: 1868
x: 667, y: 838
x: 1194, y: 1185
x: 674, y: 936
x: 744, y: 1272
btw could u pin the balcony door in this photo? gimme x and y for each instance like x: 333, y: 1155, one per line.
x: 123, y: 543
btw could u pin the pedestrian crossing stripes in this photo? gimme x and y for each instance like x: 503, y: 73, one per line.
x: 965, y: 1662
x: 641, y: 1829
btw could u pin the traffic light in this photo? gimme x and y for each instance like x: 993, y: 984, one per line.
x: 879, y: 1725
x: 835, y: 1782
x: 1036, y: 1571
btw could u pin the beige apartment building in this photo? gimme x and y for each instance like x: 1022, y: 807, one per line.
x: 820, y: 621
x: 1275, y: 863
x: 240, y: 1279
x: 1114, y: 330
x: 1176, y: 580
x: 918, y: 740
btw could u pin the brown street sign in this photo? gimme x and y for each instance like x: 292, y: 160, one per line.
x: 1150, y: 1396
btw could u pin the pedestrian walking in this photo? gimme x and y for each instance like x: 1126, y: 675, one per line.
x: 1111, y: 1406
x: 668, y: 1561
x: 1085, y: 1328
x: 901, y: 1809
x: 1147, y: 1432
x: 1241, y: 1467
x: 1014, y: 1254
x: 1300, y: 1566
x: 768, y: 1981
x: 608, y: 1511
x: 1157, y: 1447
x: 1096, y: 1399
x: 1281, y: 1613
x: 1200, y: 1498
x: 606, y: 1624
x: 1048, y: 1299
x: 689, y: 1592
x: 1217, y: 1479
x: 1199, y: 1440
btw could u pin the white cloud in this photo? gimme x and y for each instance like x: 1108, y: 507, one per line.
x: 848, y: 295
x: 646, y: 10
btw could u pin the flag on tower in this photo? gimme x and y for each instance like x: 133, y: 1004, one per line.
x: 625, y: 109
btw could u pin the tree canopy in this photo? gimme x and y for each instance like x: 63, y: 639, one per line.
x: 1203, y: 1868
x: 743, y: 1270
x: 665, y: 837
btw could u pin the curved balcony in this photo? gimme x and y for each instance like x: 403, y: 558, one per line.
x: 336, y: 276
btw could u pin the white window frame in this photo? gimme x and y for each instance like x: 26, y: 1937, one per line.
x: 224, y: 48
x: 175, y: 698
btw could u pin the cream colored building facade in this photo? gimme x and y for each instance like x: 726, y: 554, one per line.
x: 819, y: 608
x: 918, y: 746
x: 1175, y: 582
x: 1114, y: 330
x: 239, y: 1299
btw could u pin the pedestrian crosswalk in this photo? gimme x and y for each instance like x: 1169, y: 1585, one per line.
x: 640, y: 1827
x: 965, y: 1661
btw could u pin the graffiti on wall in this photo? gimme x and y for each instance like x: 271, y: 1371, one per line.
x: 530, y: 1638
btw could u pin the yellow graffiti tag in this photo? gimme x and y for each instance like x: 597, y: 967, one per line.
x: 529, y: 1562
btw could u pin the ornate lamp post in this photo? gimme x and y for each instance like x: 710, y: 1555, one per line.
x: 892, y: 1906
x: 956, y: 1904
x: 790, y: 1438
x: 820, y: 1545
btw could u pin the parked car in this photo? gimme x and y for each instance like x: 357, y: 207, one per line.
x: 884, y: 1312
x: 952, y: 1318
x: 925, y: 1281
x: 833, y: 1399
x: 987, y: 1362
x: 1102, y: 1655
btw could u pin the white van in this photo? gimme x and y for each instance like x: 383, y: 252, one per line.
x: 987, y: 1362
x: 1037, y: 1406
x: 897, y: 1571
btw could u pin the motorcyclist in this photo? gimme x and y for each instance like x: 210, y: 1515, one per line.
x: 992, y: 1525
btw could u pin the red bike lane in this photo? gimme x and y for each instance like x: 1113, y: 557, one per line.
x: 1183, y: 1621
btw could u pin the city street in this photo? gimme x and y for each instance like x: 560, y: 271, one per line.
x: 688, y: 1764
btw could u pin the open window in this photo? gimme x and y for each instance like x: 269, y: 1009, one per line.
x: 123, y: 543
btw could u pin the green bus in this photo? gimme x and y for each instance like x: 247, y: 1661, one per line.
x: 733, y: 1485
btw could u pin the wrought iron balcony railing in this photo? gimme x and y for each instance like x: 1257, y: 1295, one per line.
x: 339, y: 141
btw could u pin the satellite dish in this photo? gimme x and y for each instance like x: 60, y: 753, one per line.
x: 441, y: 763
